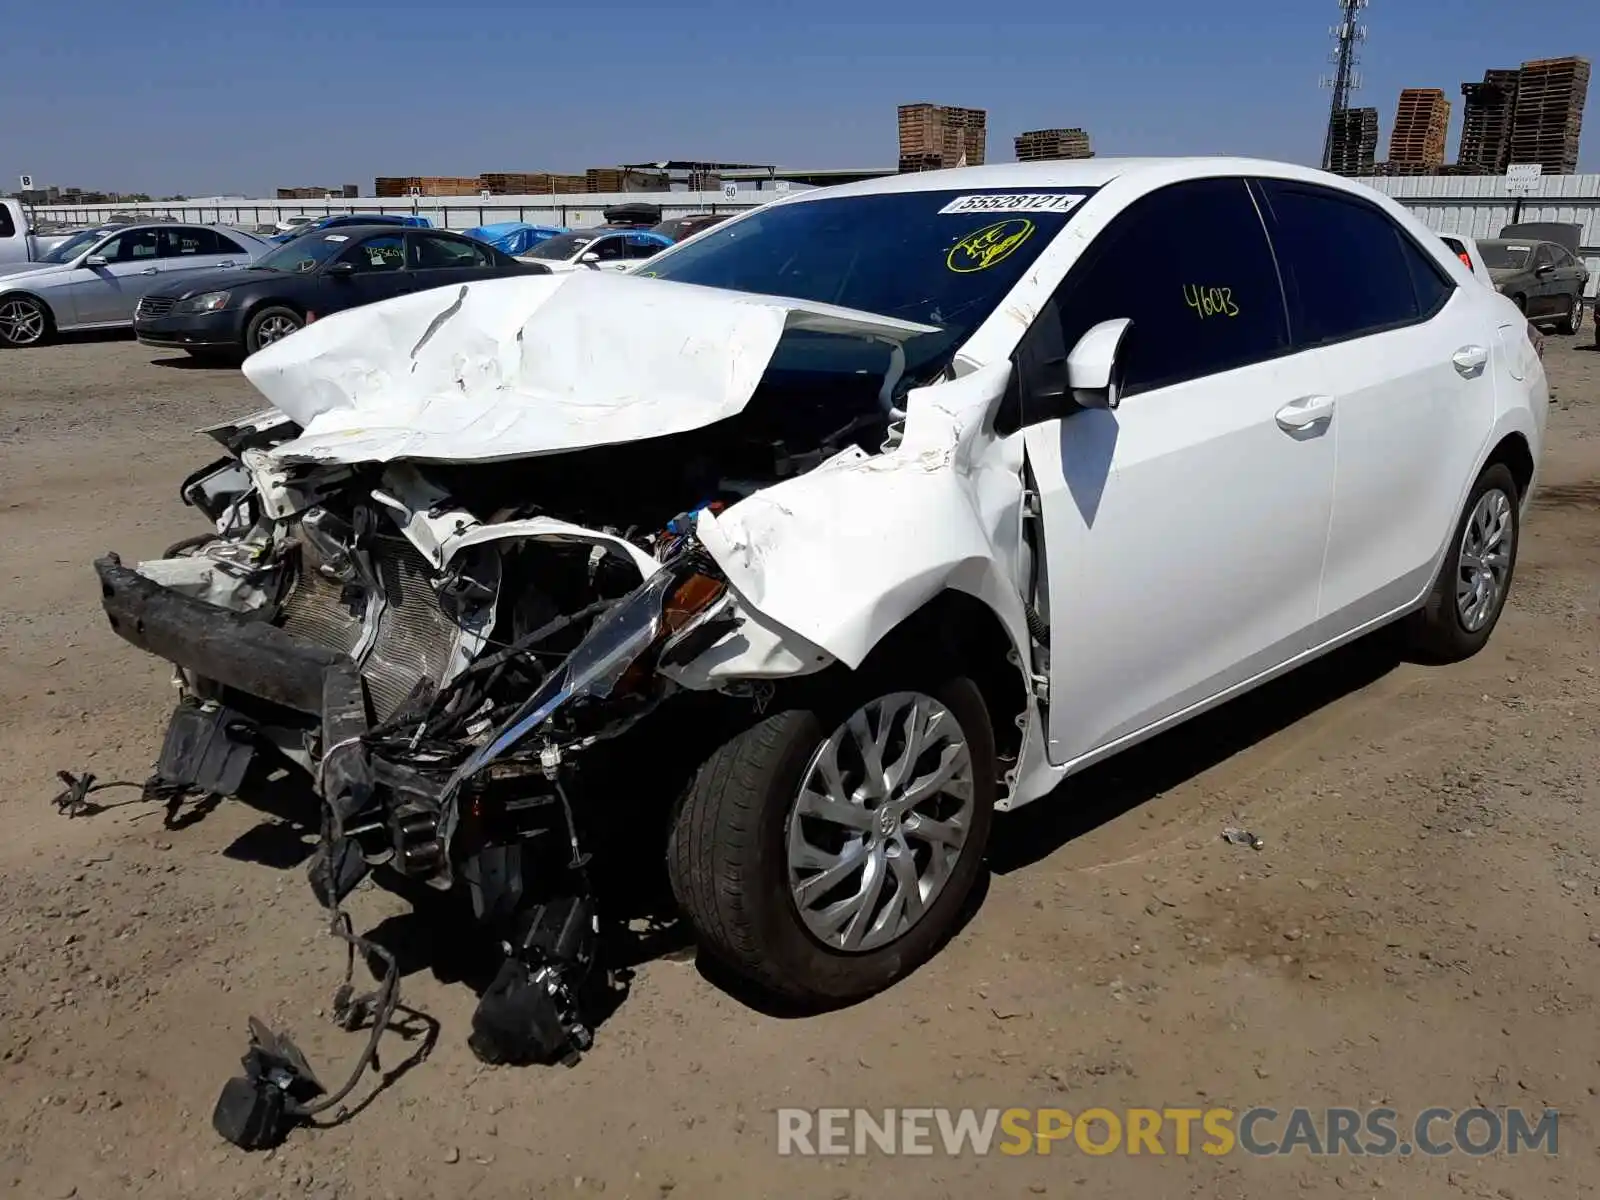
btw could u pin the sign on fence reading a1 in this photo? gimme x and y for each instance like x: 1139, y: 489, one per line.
x: 1523, y: 177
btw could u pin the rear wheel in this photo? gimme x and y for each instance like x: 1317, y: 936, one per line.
x: 1475, y: 578
x: 24, y: 321
x: 270, y: 324
x: 825, y: 852
x: 1574, y: 316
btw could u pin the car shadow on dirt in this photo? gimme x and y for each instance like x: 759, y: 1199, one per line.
x: 1122, y: 783
x: 188, y: 362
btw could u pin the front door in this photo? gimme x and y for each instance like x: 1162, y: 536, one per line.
x: 109, y: 293
x: 379, y: 273
x: 1184, y: 530
x: 440, y: 261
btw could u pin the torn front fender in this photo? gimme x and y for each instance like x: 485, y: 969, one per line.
x: 845, y: 553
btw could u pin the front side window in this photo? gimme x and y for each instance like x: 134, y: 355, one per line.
x: 1543, y: 258
x: 638, y: 247
x: 133, y: 246
x: 1190, y: 267
x: 1344, y: 264
x: 8, y: 227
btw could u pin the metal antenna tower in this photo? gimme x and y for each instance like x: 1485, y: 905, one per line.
x: 1347, y: 34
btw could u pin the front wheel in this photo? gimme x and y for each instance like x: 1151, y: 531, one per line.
x: 24, y: 321
x: 826, y: 852
x: 1573, y: 318
x: 1474, y: 580
x: 271, y: 324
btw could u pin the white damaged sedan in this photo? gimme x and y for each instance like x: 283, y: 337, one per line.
x: 856, y: 519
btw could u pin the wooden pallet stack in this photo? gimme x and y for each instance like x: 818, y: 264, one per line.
x: 934, y: 136
x: 1486, y: 123
x: 1353, y: 141
x: 532, y: 183
x: 1043, y: 145
x: 1416, y: 143
x: 1548, y: 119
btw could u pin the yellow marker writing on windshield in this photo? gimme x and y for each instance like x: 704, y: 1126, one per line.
x: 982, y: 249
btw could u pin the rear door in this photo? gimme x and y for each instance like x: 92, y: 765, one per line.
x: 1404, y: 355
x: 1183, y: 531
x: 441, y: 261
x: 190, y: 249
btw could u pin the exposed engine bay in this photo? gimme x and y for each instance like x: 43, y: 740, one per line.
x: 447, y: 645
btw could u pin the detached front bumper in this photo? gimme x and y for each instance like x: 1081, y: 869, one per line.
x: 229, y: 647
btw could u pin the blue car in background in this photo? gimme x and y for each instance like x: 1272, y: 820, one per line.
x: 336, y: 219
x: 515, y: 237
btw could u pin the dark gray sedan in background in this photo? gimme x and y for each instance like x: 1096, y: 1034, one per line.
x: 1544, y: 279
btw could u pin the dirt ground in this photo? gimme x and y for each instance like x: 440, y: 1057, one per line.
x: 1420, y: 927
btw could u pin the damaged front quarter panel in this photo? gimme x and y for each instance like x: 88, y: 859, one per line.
x: 845, y: 553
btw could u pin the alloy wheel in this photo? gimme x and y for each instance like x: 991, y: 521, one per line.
x: 1483, y: 561
x: 21, y: 321
x: 882, y: 815
x: 274, y: 329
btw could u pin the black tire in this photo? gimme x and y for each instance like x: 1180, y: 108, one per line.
x: 728, y: 865
x: 1573, y: 318
x: 258, y: 329
x: 1437, y: 631
x: 25, y: 321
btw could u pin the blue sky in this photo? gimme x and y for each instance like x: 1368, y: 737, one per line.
x: 242, y: 95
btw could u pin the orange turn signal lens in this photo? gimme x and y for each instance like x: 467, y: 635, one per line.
x: 689, y: 599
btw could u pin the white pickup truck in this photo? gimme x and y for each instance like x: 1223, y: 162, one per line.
x: 17, y: 244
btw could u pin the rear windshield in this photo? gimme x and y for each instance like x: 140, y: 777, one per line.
x: 1504, y: 256
x: 943, y: 258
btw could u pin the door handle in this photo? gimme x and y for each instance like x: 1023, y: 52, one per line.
x: 1304, y: 412
x: 1469, y: 361
x: 148, y: 271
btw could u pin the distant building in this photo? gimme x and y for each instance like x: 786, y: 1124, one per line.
x: 1353, y: 141
x: 934, y: 136
x: 610, y: 180
x: 345, y: 191
x: 1038, y: 145
x: 1416, y: 143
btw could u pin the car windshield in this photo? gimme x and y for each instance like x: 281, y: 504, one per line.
x: 943, y: 258
x: 303, y: 254
x: 1504, y: 256
x: 72, y: 247
x: 561, y: 247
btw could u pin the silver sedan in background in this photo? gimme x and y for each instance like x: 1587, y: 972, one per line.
x: 94, y: 280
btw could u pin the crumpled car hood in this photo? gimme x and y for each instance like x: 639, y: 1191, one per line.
x: 532, y: 365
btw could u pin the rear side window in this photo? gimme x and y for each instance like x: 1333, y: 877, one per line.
x: 1190, y: 266
x: 1348, y: 269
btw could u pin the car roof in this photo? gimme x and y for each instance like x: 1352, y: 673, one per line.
x: 350, y: 231
x: 1072, y: 173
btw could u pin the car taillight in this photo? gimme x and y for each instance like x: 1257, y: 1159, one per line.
x: 1466, y: 258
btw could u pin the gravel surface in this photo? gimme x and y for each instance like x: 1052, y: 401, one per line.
x: 1419, y: 928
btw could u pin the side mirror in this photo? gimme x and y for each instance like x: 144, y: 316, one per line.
x: 95, y: 260
x: 590, y: 257
x: 1093, y: 368
x: 1544, y: 269
x: 340, y: 269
